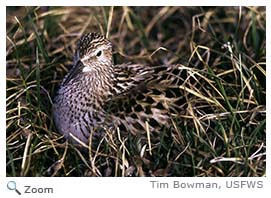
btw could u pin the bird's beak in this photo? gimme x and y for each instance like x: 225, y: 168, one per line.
x: 76, y: 69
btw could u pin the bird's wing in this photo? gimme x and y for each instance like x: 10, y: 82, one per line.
x: 149, y: 94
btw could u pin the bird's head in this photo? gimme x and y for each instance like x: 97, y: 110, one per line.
x: 94, y: 50
x: 93, y: 57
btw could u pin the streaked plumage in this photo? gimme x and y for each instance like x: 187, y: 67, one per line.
x: 97, y: 95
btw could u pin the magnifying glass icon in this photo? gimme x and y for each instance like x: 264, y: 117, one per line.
x: 12, y: 186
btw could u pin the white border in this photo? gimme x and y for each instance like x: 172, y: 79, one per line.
x: 3, y: 94
x: 268, y: 85
x: 138, y: 3
x: 125, y: 187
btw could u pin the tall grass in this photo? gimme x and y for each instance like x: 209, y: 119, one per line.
x: 222, y: 52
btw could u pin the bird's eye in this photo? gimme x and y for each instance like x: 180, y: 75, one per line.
x: 99, y: 53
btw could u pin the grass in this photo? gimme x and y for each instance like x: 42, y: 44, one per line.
x: 222, y: 129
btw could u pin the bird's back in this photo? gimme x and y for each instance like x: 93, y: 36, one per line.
x: 147, y: 96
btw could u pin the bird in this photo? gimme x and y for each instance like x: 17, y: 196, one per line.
x: 97, y: 95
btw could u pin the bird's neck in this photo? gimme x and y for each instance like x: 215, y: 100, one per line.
x: 101, y: 82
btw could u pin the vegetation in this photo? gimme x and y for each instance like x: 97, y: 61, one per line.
x: 222, y: 130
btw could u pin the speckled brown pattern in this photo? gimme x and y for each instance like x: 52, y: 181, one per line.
x: 97, y: 95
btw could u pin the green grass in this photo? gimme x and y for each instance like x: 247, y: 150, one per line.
x: 222, y: 129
